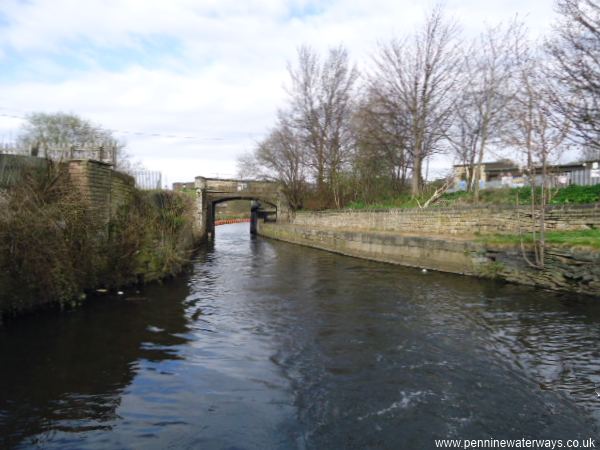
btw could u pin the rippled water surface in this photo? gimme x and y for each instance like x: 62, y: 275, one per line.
x: 266, y: 345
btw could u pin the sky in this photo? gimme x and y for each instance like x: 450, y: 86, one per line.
x: 189, y: 85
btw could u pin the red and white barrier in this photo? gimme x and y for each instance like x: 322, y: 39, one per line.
x: 228, y: 221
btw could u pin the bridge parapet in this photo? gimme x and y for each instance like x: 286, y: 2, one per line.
x: 237, y: 186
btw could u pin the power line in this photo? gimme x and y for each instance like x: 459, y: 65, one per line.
x: 141, y: 133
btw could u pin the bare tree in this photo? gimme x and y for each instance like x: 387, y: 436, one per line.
x: 321, y: 95
x: 381, y: 159
x: 279, y: 157
x: 488, y: 70
x: 414, y: 80
x: 539, y: 135
x: 575, y: 69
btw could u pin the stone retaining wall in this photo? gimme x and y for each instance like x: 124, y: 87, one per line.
x: 565, y: 269
x: 453, y: 221
x: 456, y: 256
x: 104, y: 188
x: 574, y: 270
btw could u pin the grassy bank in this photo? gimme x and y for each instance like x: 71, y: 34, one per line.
x: 569, y: 195
x: 580, y: 238
x: 54, y: 247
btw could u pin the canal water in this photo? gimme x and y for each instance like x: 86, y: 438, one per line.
x: 267, y: 345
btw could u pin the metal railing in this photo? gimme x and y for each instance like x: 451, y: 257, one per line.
x: 104, y: 153
x: 147, y: 179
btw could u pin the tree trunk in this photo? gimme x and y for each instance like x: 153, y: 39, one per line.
x: 416, y: 176
x: 477, y: 174
x: 543, y: 201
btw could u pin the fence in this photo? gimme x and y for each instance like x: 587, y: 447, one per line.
x: 103, y: 153
x: 586, y: 175
x: 147, y: 179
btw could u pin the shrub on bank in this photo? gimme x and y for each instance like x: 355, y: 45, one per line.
x: 52, y: 249
x: 151, y: 237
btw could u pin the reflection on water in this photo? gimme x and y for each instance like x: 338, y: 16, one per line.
x: 270, y: 345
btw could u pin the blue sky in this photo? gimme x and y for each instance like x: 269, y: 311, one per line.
x: 213, y: 70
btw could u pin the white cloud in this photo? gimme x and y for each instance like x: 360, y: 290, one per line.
x: 212, y: 69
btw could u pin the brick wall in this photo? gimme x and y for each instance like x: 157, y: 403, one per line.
x: 104, y: 188
x: 454, y: 221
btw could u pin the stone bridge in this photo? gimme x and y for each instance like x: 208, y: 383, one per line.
x: 269, y: 201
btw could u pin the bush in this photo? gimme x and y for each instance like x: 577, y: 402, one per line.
x: 151, y: 237
x: 52, y: 248
x: 49, y: 244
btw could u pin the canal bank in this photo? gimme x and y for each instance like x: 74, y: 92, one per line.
x: 69, y: 229
x: 439, y: 240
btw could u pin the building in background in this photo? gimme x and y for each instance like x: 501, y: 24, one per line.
x: 507, y: 173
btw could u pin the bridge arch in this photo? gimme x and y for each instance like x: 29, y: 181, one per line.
x: 212, y: 191
x: 261, y: 209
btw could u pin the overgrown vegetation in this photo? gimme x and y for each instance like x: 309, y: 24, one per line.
x: 54, y: 248
x: 49, y: 246
x: 151, y: 235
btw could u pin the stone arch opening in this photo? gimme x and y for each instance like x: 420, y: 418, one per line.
x: 260, y: 209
